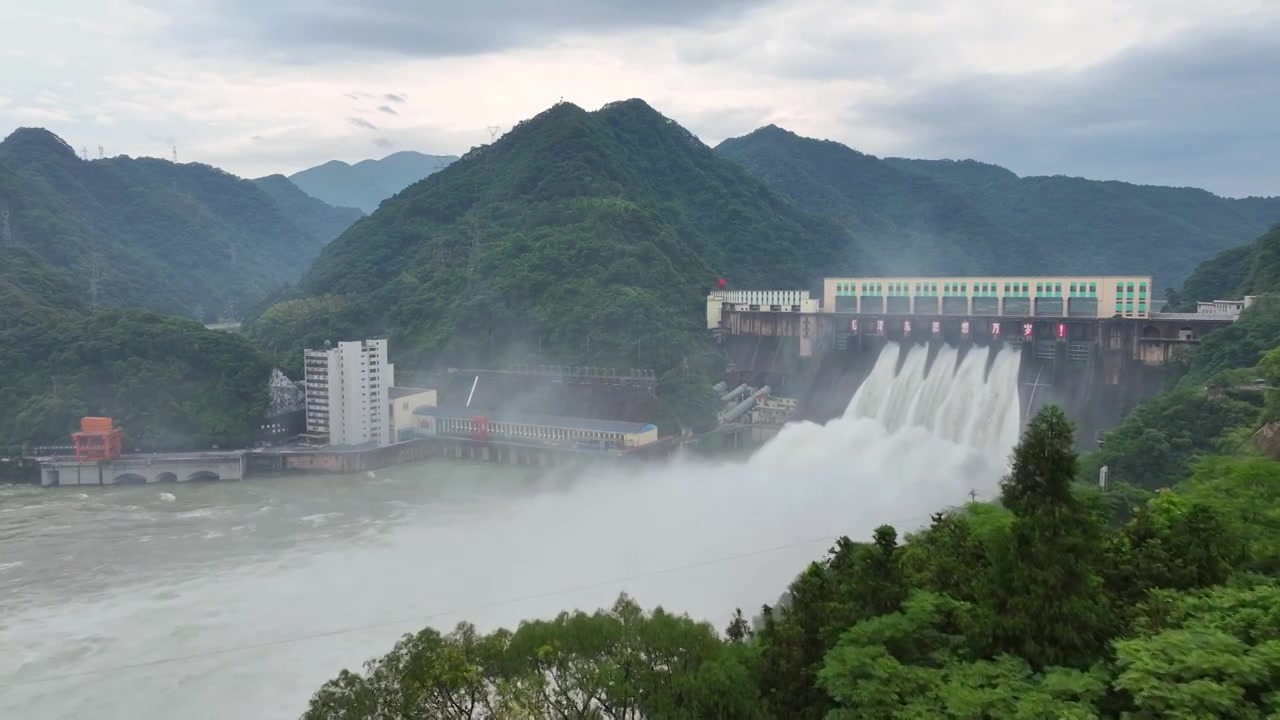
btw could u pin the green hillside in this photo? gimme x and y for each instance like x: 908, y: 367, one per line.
x: 945, y: 216
x: 1251, y: 269
x: 146, y: 233
x: 317, y: 218
x: 1097, y: 227
x: 585, y: 238
x: 911, y: 223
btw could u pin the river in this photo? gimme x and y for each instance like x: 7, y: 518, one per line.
x: 237, y: 600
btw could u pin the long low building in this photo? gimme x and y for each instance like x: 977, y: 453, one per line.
x: 544, y: 430
x: 1067, y: 296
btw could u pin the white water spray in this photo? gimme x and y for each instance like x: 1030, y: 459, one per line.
x: 954, y: 402
x: 250, y: 622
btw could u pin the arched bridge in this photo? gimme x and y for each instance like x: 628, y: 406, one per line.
x: 143, y: 469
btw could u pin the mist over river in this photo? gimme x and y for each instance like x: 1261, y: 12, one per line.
x: 237, y: 600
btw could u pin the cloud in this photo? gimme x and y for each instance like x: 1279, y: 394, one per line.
x: 31, y: 114
x: 387, y: 109
x: 1194, y: 109
x: 314, y: 31
x: 362, y: 123
x: 383, y: 143
x: 4, y: 101
x: 395, y: 98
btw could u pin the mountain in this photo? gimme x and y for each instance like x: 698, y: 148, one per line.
x: 912, y: 224
x: 367, y: 183
x: 1251, y: 269
x: 585, y: 238
x: 970, y: 217
x: 1107, y: 227
x: 318, y: 218
x: 151, y: 234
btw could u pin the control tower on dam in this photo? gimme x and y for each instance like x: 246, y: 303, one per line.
x: 1093, y: 345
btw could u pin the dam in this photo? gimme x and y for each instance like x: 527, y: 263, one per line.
x: 1093, y: 345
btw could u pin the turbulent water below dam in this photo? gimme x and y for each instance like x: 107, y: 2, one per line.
x: 238, y: 600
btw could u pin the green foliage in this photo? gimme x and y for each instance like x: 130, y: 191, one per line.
x: 912, y: 224
x: 580, y: 238
x: 1046, y: 598
x: 1157, y: 443
x: 146, y: 233
x: 948, y: 217
x: 623, y: 663
x: 1034, y: 608
x: 318, y: 219
x: 169, y: 382
x: 1252, y: 269
x: 1239, y: 345
x: 1212, y: 653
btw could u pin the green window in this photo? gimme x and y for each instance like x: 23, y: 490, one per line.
x: 1057, y: 289
x: 1093, y: 289
x: 1073, y: 289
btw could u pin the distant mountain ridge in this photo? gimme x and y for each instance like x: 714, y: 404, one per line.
x: 147, y: 233
x: 367, y: 183
x: 940, y: 216
x: 912, y: 224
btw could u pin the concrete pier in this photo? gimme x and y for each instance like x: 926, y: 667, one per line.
x: 143, y: 469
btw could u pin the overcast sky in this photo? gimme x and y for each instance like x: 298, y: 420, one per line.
x: 1176, y: 92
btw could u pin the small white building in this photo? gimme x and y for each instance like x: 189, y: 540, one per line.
x: 348, y: 390
x: 404, y: 401
x: 757, y: 301
x: 1230, y: 308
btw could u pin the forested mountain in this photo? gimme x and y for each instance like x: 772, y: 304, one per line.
x: 318, y: 218
x: 1108, y: 227
x: 367, y: 183
x: 580, y: 237
x: 972, y: 217
x: 147, y: 233
x: 1250, y: 269
x: 913, y: 224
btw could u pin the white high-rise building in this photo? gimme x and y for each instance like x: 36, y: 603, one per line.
x: 347, y: 388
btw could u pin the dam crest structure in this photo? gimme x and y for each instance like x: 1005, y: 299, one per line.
x: 1093, y: 345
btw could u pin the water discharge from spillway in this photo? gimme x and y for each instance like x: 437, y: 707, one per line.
x: 953, y: 402
x: 237, y: 600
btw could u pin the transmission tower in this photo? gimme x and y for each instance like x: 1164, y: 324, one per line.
x: 99, y: 152
x: 494, y: 131
x: 84, y: 153
x: 175, y: 154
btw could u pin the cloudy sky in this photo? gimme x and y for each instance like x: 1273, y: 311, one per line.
x: 1178, y: 92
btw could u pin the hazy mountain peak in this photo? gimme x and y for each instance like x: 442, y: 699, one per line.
x: 367, y: 183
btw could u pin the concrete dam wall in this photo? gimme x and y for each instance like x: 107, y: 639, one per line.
x: 1095, y: 389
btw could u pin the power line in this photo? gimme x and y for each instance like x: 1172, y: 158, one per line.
x: 423, y: 618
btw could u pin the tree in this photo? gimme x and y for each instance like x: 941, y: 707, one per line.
x: 1211, y: 653
x: 1046, y: 601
